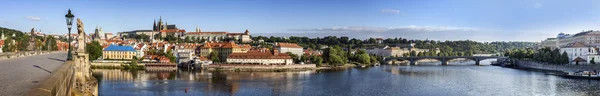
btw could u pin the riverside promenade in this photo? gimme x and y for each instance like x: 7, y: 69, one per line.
x: 553, y: 67
x: 19, y: 75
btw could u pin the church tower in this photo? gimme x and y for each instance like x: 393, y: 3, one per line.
x: 198, y: 29
x: 160, y: 24
x: 154, y: 26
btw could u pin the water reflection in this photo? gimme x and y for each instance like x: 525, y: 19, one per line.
x: 123, y: 82
x: 466, y: 80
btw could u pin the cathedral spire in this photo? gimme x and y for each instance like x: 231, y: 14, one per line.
x: 197, y: 29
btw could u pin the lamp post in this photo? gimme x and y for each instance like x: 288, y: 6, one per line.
x: 69, y: 18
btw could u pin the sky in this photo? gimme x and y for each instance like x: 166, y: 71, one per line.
x: 479, y: 20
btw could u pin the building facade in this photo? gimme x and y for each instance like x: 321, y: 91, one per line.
x: 220, y: 36
x: 289, y: 47
x: 260, y: 58
x: 580, y: 50
x: 222, y: 48
x: 118, y: 52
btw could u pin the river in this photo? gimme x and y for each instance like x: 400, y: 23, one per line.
x: 386, y: 80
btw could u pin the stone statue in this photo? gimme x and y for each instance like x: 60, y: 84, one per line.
x: 79, y: 27
x: 80, y: 37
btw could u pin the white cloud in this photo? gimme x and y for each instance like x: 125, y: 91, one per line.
x: 538, y: 5
x: 386, y: 29
x: 33, y: 18
x: 390, y: 11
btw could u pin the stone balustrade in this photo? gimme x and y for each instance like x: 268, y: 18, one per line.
x: 10, y: 55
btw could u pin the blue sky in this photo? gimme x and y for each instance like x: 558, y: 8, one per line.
x: 480, y: 20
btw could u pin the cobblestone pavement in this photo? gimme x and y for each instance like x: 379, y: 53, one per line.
x: 19, y: 75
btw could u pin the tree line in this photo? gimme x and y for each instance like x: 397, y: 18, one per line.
x: 546, y: 55
x: 447, y: 48
x: 20, y: 41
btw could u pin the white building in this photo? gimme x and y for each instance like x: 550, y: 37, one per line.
x: 589, y: 38
x: 289, y: 47
x: 140, y: 49
x: 580, y: 50
x: 185, y: 52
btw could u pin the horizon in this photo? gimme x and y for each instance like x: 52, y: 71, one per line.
x: 481, y: 21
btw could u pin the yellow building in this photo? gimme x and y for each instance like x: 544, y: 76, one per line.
x: 223, y: 48
x: 118, y: 52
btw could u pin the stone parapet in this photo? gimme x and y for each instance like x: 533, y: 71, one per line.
x: 10, y: 55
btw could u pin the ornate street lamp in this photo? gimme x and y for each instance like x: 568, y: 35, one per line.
x: 69, y: 18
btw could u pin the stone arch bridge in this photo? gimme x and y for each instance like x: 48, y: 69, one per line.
x: 443, y: 59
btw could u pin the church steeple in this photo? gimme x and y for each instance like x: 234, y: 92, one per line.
x: 198, y: 29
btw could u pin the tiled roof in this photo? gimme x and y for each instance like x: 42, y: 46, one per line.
x: 119, y: 48
x: 575, y: 45
x: 202, y: 58
x: 171, y: 27
x: 237, y: 34
x: 292, y: 45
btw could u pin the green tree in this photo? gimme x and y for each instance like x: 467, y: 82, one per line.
x: 335, y: 60
x: 214, y: 56
x: 170, y: 56
x: 374, y: 59
x: 294, y: 57
x: 565, y: 58
x: 8, y: 46
x: 364, y: 59
x: 93, y: 49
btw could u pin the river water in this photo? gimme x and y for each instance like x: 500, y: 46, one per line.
x: 387, y: 80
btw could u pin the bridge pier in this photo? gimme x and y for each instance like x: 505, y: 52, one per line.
x: 444, y: 61
x: 477, y: 61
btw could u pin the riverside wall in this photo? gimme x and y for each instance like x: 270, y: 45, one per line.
x: 554, y: 67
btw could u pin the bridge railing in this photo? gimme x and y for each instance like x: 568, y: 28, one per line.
x: 60, y: 83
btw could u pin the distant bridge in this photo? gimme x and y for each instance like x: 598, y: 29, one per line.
x: 443, y: 59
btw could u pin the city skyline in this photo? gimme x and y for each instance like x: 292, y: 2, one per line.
x: 513, y: 20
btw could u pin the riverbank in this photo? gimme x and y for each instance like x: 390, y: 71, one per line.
x: 550, y: 67
x: 259, y: 68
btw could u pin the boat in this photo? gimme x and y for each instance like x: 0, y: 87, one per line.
x: 581, y: 75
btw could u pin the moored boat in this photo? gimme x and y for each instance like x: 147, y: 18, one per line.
x: 581, y: 75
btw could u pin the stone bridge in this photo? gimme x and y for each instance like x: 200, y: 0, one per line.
x: 443, y: 59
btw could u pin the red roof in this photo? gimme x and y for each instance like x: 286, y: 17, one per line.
x: 202, y: 58
x: 292, y: 45
x: 1, y: 43
x: 223, y: 45
x: 237, y: 34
